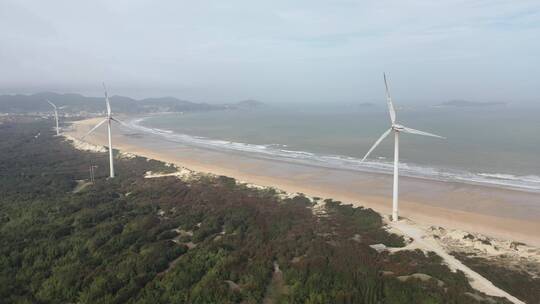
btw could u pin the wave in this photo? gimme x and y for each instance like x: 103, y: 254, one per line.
x: 381, y: 165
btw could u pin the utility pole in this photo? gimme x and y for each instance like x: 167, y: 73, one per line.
x: 92, y: 173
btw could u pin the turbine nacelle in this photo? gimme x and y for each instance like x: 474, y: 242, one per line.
x: 398, y: 128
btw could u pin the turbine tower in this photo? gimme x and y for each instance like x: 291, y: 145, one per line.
x: 397, y: 128
x: 109, y: 119
x: 55, y: 116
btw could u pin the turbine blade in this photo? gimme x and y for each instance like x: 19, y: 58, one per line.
x: 122, y: 123
x: 107, y: 100
x: 52, y: 104
x: 377, y: 143
x: 418, y: 132
x: 391, y: 109
x: 94, y: 128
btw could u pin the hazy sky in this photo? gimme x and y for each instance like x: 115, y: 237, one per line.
x: 308, y: 50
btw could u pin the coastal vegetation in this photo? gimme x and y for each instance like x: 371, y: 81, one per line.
x: 208, y: 239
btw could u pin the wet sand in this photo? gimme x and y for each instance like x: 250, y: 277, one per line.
x: 496, y: 212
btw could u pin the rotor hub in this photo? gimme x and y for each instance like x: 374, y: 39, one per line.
x: 398, y: 128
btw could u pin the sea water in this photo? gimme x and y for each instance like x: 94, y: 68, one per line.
x: 490, y: 145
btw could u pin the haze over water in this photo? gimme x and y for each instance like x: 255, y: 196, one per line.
x: 495, y: 145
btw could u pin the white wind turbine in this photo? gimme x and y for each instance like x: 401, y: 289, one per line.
x: 397, y: 128
x: 55, y: 116
x: 108, y: 120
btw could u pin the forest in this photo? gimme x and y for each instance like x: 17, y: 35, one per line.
x: 207, y: 240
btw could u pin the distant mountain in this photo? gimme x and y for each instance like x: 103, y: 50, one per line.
x: 76, y: 103
x: 467, y: 103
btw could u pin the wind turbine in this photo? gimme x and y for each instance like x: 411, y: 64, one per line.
x: 109, y: 119
x: 397, y: 128
x: 55, y: 116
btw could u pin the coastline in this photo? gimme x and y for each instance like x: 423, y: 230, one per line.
x: 499, y: 213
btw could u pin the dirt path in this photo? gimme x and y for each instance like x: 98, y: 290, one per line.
x: 422, y: 240
x: 277, y: 286
x: 81, y: 185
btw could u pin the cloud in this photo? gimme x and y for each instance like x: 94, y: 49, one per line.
x: 278, y: 50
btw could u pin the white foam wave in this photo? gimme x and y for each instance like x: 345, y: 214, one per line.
x: 277, y: 151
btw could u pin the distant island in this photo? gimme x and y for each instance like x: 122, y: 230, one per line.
x: 458, y: 103
x: 249, y: 103
x: 80, y: 104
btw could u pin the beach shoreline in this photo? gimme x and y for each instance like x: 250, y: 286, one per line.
x: 498, y: 213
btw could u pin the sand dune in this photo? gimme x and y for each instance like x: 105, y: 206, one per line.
x: 500, y: 213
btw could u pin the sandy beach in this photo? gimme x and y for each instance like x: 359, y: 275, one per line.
x: 500, y: 213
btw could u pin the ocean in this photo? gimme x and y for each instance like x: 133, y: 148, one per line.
x: 495, y: 146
